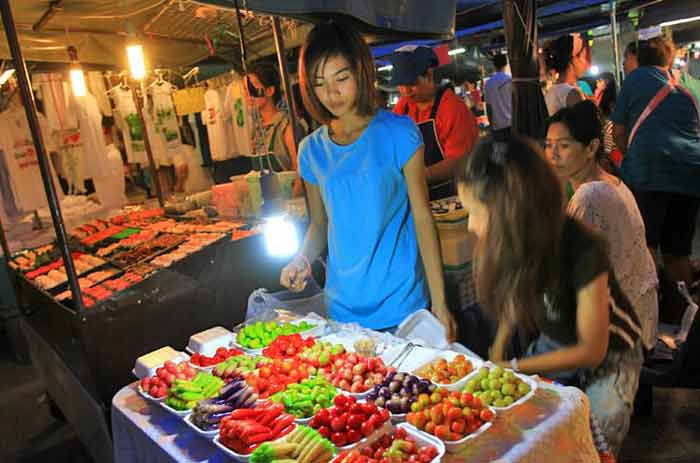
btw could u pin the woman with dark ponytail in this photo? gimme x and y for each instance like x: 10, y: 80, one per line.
x: 569, y: 57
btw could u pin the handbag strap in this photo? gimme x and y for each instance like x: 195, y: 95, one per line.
x: 656, y: 101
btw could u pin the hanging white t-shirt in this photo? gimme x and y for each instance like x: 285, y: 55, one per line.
x: 212, y: 117
x: 111, y: 186
x: 128, y: 121
x: 21, y: 159
x: 96, y: 84
x: 163, y: 129
x: 238, y: 119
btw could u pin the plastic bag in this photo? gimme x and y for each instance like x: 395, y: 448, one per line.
x: 311, y: 300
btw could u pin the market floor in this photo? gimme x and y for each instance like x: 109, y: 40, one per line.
x: 29, y: 434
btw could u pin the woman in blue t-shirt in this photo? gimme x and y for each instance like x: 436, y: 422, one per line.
x: 367, y: 192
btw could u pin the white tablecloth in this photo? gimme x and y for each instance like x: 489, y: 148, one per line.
x: 551, y: 427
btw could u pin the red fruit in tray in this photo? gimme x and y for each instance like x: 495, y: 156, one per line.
x: 325, y: 431
x: 338, y: 423
x: 353, y: 436
x: 486, y: 414
x: 341, y: 401
x: 367, y: 428
x: 339, y: 439
x: 355, y: 421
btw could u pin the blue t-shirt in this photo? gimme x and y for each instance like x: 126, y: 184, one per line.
x: 665, y: 152
x: 375, y: 276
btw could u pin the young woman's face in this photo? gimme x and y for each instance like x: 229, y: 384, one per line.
x: 567, y: 155
x: 335, y: 86
x: 478, y: 212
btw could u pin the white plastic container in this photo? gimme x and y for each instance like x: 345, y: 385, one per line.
x: 424, y: 329
x: 147, y: 364
x: 198, y: 430
x: 449, y: 356
x: 457, y: 445
x: 532, y: 382
x: 237, y: 456
x: 206, y: 342
x: 422, y: 440
x: 171, y: 410
x: 369, y: 440
x: 148, y: 396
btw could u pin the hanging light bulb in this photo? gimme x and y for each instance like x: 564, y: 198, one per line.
x: 77, y: 81
x: 5, y: 76
x: 281, y: 238
x: 136, y: 62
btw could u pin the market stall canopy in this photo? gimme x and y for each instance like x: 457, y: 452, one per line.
x: 378, y: 21
x: 173, y: 32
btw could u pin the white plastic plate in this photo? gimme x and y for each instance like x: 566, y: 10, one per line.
x: 532, y: 382
x: 141, y: 371
x: 449, y: 356
x: 198, y: 430
x: 171, y: 410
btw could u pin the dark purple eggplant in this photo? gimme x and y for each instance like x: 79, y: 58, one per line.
x: 230, y: 389
x: 216, y: 417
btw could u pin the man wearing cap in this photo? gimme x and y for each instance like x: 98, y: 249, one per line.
x: 449, y: 129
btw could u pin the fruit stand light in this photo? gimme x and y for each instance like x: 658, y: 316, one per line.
x: 137, y: 65
x: 77, y: 81
x: 281, y: 239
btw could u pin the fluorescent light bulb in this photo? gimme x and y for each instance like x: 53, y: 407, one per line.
x: 456, y: 51
x: 136, y: 62
x: 77, y: 81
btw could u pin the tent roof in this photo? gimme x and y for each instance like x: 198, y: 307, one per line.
x: 173, y: 32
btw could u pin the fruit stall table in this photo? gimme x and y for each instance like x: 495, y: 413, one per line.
x: 552, y: 425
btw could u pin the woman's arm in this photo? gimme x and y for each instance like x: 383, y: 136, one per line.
x: 504, y: 333
x: 414, y: 173
x: 592, y: 322
x: 294, y: 275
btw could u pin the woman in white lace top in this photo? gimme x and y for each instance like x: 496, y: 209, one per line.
x: 604, y: 202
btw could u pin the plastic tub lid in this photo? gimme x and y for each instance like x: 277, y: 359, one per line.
x: 422, y: 326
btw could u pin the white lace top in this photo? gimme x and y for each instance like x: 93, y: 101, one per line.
x: 556, y: 97
x: 613, y: 211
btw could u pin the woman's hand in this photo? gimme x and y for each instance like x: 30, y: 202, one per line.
x: 448, y: 321
x: 295, y: 275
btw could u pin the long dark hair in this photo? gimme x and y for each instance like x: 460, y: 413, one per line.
x: 518, y: 259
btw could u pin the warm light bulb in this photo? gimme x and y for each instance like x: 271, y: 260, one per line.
x: 77, y: 81
x: 595, y: 70
x: 281, y: 238
x: 5, y: 76
x: 136, y: 63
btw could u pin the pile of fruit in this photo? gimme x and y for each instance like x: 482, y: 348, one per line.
x: 395, y: 447
x: 275, y: 376
x: 399, y: 391
x: 357, y: 374
x: 245, y: 429
x: 157, y: 386
x: 287, y: 346
x: 443, y: 372
x: 233, y: 367
x: 303, y: 445
x: 208, y: 413
x: 497, y: 387
x: 221, y: 354
x: 260, y: 334
x: 449, y: 416
x: 347, y: 422
x: 306, y: 398
x: 184, y: 394
x: 322, y: 354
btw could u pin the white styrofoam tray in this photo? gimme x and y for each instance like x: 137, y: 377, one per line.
x: 532, y: 382
x: 316, y: 331
x: 457, y: 445
x: 198, y: 430
x: 237, y: 456
x: 423, y: 328
x: 206, y: 342
x: 421, y: 356
x: 171, y: 410
x: 148, y: 396
x: 141, y: 366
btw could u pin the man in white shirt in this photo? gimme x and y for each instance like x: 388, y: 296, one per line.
x: 498, y: 96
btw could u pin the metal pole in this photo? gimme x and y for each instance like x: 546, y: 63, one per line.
x: 616, y: 42
x: 41, y: 154
x: 284, y: 76
x: 137, y: 94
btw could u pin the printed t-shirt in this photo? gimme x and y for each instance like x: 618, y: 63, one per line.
x: 584, y: 257
x: 665, y: 153
x: 455, y: 124
x: 375, y: 276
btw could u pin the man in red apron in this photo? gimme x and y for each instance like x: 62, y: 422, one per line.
x: 449, y: 129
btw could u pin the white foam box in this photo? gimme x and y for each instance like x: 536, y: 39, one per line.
x: 147, y: 364
x: 206, y: 342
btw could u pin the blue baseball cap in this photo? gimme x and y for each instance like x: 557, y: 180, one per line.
x: 409, y: 62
